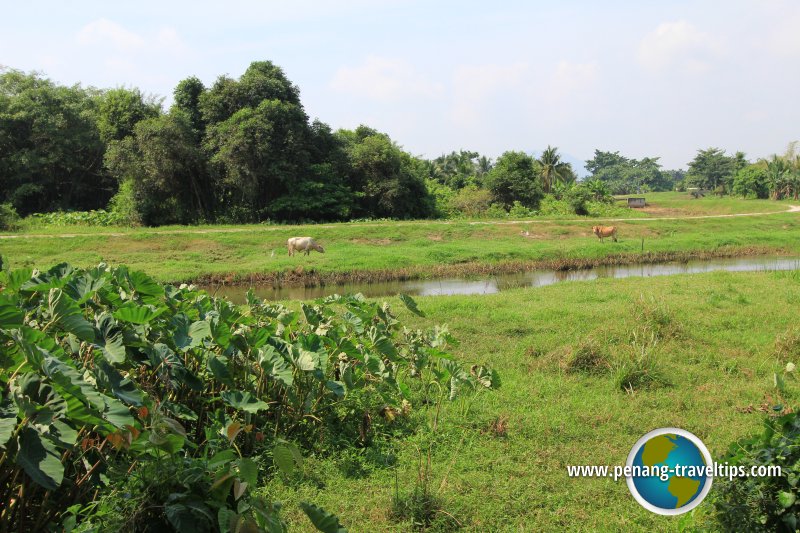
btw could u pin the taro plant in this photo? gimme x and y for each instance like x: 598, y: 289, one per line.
x: 767, y: 503
x: 105, y: 373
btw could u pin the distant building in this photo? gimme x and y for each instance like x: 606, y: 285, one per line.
x: 636, y: 202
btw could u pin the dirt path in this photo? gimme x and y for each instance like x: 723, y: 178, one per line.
x: 792, y: 209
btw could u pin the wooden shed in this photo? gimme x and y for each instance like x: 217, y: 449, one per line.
x: 636, y: 202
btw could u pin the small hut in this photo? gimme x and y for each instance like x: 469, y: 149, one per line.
x: 636, y: 202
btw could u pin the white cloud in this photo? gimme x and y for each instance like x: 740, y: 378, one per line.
x: 678, y: 45
x: 384, y: 79
x: 475, y: 87
x: 570, y: 78
x: 104, y: 32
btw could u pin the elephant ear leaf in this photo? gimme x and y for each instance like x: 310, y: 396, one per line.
x: 409, y: 302
x: 8, y: 421
x: 243, y: 401
x: 67, y: 314
x: 40, y: 459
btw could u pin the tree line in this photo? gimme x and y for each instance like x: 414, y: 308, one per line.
x: 244, y: 150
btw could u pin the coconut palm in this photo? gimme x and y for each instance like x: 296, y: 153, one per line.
x: 552, y: 169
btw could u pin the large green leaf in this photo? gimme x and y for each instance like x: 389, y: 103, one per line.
x: 275, y: 365
x: 70, y: 380
x: 411, y: 305
x: 67, y: 314
x: 55, y: 278
x: 219, y: 368
x: 16, y: 278
x: 304, y: 359
x: 137, y: 314
x: 287, y: 457
x: 189, y: 334
x: 10, y: 316
x: 322, y: 519
x: 149, y: 290
x: 248, y: 471
x: 121, y: 387
x: 110, y: 339
x: 83, y: 287
x: 40, y: 459
x: 8, y: 421
x: 243, y: 401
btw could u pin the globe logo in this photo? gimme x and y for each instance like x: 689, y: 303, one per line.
x: 671, y: 471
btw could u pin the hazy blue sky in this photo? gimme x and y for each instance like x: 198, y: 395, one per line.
x: 647, y: 78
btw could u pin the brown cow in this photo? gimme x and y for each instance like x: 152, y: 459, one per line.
x: 605, y: 231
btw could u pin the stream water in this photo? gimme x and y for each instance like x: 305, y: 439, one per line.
x: 501, y: 282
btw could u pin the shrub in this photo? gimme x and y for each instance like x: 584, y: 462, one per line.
x: 787, y: 345
x: 654, y: 315
x: 751, y: 181
x: 578, y: 198
x: 588, y: 357
x: 520, y: 211
x: 124, y: 207
x: 105, y: 373
x: 639, y: 369
x: 9, y: 218
x: 763, y: 503
x: 470, y: 202
x: 99, y: 217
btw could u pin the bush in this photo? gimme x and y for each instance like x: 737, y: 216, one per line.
x: 751, y: 182
x: 442, y: 197
x: 100, y: 217
x: 763, y: 503
x: 787, y: 345
x: 471, y: 202
x: 588, y: 357
x: 520, y: 211
x: 176, y: 375
x: 640, y: 368
x: 124, y: 207
x: 9, y: 218
x: 578, y: 198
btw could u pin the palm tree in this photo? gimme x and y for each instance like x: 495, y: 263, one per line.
x: 778, y: 177
x: 552, y: 169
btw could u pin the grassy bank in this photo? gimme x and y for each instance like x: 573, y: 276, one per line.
x: 500, y: 463
x: 403, y: 250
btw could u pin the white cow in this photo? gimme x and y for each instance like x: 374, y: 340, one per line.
x: 303, y: 244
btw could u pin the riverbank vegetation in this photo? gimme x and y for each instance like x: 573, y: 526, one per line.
x: 379, y: 251
x: 244, y: 150
x: 132, y: 406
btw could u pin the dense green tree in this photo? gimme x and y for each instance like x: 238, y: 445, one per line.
x: 121, y: 109
x: 711, y: 169
x: 604, y: 160
x: 752, y: 181
x: 552, y: 169
x: 51, y: 153
x: 187, y: 100
x: 261, y: 81
x: 390, y: 181
x: 624, y: 175
x: 166, y: 169
x: 514, y: 178
x: 259, y: 153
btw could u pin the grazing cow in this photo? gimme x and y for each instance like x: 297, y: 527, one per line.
x: 303, y: 244
x: 605, y: 231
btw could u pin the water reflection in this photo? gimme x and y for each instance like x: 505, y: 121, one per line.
x: 534, y: 278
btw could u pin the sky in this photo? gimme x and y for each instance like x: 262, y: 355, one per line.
x: 647, y: 78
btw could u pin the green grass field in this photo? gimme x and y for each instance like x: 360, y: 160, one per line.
x: 499, y: 463
x: 501, y: 466
x: 411, y: 249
